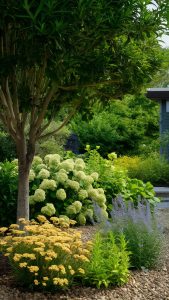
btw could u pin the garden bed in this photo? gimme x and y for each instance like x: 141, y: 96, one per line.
x: 146, y: 284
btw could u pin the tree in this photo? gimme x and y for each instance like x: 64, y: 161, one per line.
x: 53, y: 52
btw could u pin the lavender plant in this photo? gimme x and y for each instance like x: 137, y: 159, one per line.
x: 140, y: 228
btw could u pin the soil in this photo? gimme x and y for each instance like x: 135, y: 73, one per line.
x: 148, y: 285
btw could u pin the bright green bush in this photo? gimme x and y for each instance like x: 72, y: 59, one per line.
x: 153, y: 168
x: 7, y: 147
x: 46, y: 257
x: 114, y: 180
x: 109, y: 261
x: 122, y: 126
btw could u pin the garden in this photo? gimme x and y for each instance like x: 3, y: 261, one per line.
x: 79, y: 150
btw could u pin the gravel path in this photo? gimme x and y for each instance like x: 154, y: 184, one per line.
x: 152, y: 285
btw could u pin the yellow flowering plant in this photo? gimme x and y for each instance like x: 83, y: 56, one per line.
x: 45, y: 254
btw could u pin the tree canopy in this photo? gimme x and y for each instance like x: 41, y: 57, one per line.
x: 53, y: 52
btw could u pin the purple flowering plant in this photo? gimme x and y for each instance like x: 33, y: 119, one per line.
x: 140, y: 228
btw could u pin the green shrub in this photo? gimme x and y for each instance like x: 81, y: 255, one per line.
x: 154, y: 169
x: 114, y: 180
x: 8, y: 193
x: 109, y: 261
x: 46, y: 257
x: 122, y: 126
x: 7, y: 147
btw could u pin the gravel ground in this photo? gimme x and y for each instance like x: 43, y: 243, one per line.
x: 150, y: 285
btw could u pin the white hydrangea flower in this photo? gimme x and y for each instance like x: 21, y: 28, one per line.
x: 61, y: 177
x: 88, y: 180
x: 71, y: 210
x: 31, y: 200
x: 54, y: 160
x: 47, y: 157
x: 61, y: 194
x: 104, y: 213
x: 15, y: 162
x: 80, y: 175
x: 39, y: 195
x: 43, y: 174
x: 78, y: 206
x: 81, y: 219
x: 79, y: 164
x: 82, y: 194
x: 31, y: 175
x: 100, y: 191
x: 37, y: 160
x: 48, y: 209
x: 48, y: 184
x: 104, y: 206
x: 93, y: 194
x: 89, y: 213
x: 95, y: 176
x: 100, y: 199
x: 67, y: 164
x: 74, y: 185
x: 62, y: 171
x: 40, y: 167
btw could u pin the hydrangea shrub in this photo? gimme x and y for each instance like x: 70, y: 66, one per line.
x: 61, y: 187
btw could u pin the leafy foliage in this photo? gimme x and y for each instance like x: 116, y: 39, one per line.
x: 154, y: 168
x: 109, y: 261
x: 114, y: 180
x: 8, y: 193
x: 123, y: 126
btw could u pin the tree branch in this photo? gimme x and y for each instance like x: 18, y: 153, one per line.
x: 75, y: 87
x: 64, y: 123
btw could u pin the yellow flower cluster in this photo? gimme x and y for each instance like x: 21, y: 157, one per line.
x: 45, y: 252
x: 60, y: 281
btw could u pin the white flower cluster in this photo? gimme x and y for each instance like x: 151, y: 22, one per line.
x: 62, y: 180
x: 67, y: 164
x: 52, y: 160
x: 61, y: 194
x: 74, y: 208
x: 61, y: 177
x: 74, y: 185
x: 48, y: 209
x: 48, y: 184
x: 39, y: 196
x: 37, y: 160
x: 31, y: 175
x: 43, y: 174
x: 79, y: 164
x: 82, y: 194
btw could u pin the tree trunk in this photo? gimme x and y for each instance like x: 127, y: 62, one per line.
x: 26, y: 153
